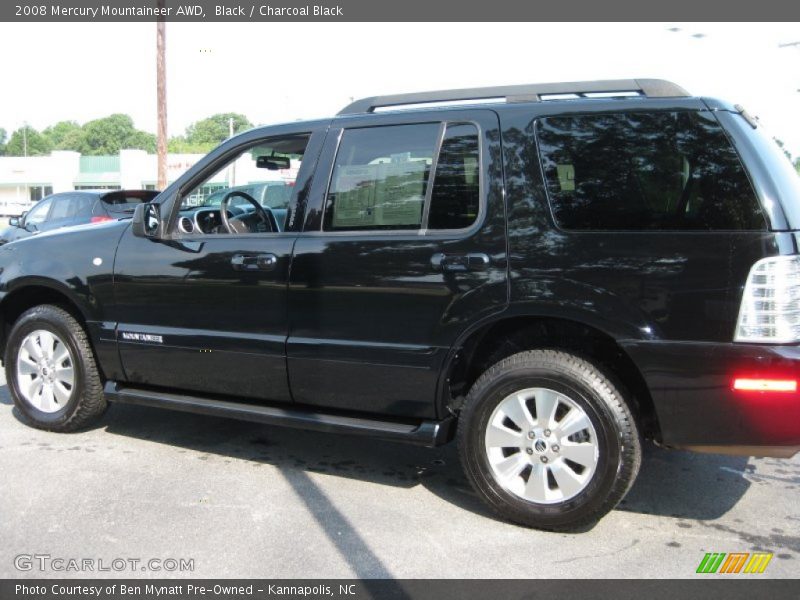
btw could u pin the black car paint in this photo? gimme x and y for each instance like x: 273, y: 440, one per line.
x: 367, y: 324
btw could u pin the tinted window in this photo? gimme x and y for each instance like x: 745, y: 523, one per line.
x: 83, y: 205
x: 665, y: 170
x: 455, y: 197
x: 61, y: 207
x: 380, y: 177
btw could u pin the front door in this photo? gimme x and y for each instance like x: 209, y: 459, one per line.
x: 204, y: 310
x: 403, y: 250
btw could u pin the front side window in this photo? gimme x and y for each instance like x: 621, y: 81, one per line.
x: 382, y: 175
x: 256, y: 187
x: 38, y: 213
x: 645, y: 171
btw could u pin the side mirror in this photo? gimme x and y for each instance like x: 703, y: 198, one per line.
x: 14, y: 222
x: 147, y: 221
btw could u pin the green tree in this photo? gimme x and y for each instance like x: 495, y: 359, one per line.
x: 2, y: 141
x: 26, y: 141
x: 64, y: 135
x: 215, y: 129
x: 111, y: 134
x: 180, y: 145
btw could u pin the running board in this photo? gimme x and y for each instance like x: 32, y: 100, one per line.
x: 426, y: 433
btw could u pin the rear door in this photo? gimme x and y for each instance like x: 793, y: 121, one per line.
x: 403, y: 249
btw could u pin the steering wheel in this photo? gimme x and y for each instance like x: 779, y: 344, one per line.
x: 246, y: 223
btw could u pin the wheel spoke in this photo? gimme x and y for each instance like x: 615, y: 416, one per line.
x: 537, y: 488
x: 65, y: 375
x: 546, y: 405
x: 27, y: 368
x: 584, y: 453
x: 47, y: 342
x: 515, y: 409
x: 498, y: 436
x: 31, y: 387
x: 575, y: 421
x: 33, y: 349
x: 511, y: 466
x: 568, y: 481
x: 61, y: 354
x: 61, y: 393
x: 47, y: 398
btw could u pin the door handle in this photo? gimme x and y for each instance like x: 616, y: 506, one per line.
x: 455, y: 263
x: 254, y: 262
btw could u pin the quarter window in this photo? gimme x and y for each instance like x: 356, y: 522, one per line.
x: 455, y: 200
x: 645, y: 171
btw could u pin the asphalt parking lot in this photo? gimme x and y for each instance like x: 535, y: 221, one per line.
x: 244, y: 500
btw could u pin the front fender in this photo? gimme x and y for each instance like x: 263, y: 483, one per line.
x: 76, y: 262
x: 71, y: 266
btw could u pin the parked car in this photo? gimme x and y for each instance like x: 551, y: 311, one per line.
x: 74, y: 208
x: 551, y: 274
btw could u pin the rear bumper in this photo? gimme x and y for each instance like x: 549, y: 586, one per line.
x: 692, y: 389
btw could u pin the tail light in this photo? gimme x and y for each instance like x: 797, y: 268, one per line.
x: 770, y: 310
x: 101, y: 219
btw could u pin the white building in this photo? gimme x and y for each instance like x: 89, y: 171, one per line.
x: 25, y: 180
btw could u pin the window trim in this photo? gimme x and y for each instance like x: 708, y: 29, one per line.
x: 710, y: 113
x: 423, y: 230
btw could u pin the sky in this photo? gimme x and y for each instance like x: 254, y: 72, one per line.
x: 277, y: 72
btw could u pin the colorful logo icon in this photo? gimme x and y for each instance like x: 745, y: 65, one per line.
x: 735, y: 562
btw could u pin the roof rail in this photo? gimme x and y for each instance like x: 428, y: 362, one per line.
x: 651, y: 88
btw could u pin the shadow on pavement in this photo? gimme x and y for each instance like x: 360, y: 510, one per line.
x: 687, y: 485
x: 671, y: 483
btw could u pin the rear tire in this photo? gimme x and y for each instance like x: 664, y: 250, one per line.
x: 51, y: 371
x: 559, y: 470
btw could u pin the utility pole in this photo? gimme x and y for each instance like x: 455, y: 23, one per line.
x: 161, y: 99
x: 233, y: 164
x: 25, y: 139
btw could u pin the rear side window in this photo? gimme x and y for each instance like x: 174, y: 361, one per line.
x: 62, y: 208
x: 645, y: 171
x: 386, y: 178
x: 380, y: 177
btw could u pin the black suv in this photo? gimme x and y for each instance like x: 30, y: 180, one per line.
x: 552, y: 273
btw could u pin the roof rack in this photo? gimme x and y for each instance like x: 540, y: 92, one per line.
x: 650, y: 88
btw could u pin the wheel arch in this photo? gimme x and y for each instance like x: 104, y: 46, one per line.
x: 34, y: 292
x: 507, y: 334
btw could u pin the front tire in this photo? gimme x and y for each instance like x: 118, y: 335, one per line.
x: 548, y: 440
x: 51, y: 371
